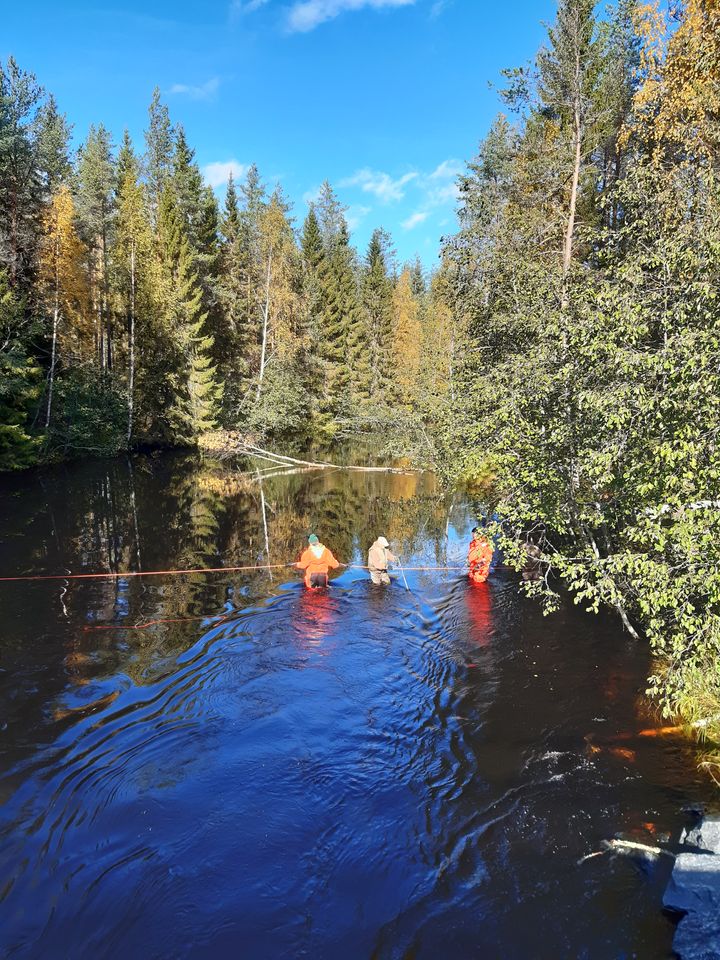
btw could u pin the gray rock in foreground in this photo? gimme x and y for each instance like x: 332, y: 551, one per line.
x: 698, y: 937
x: 705, y: 836
x: 694, y: 888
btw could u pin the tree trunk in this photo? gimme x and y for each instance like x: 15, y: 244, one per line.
x: 577, y: 130
x: 131, y: 378
x: 266, y: 313
x: 105, y: 302
x: 570, y: 230
x: 56, y: 320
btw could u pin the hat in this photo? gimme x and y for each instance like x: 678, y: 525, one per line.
x: 313, y: 539
x: 383, y: 542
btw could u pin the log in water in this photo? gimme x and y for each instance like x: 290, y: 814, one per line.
x: 267, y: 773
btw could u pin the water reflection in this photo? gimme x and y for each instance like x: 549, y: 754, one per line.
x: 207, y: 765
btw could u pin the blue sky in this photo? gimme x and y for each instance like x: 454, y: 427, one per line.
x: 384, y: 98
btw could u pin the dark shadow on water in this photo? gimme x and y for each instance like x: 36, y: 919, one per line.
x: 245, y: 767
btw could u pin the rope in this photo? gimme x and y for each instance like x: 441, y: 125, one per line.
x: 173, y: 573
x: 139, y: 573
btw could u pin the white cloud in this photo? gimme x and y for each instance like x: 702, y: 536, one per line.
x: 312, y: 195
x: 305, y: 15
x: 447, y: 170
x: 202, y: 92
x: 217, y: 174
x: 447, y: 193
x: 438, y: 7
x: 415, y: 219
x: 240, y: 7
x: 355, y: 215
x: 379, y: 184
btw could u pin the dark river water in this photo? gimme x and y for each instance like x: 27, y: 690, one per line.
x: 267, y: 773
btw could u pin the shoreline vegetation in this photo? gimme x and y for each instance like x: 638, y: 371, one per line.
x: 562, y: 361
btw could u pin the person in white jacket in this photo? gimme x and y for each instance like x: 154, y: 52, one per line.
x: 378, y: 559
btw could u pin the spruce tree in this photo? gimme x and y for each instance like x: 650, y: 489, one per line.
x: 188, y: 187
x: 22, y: 190
x: 340, y: 318
x: 374, y: 348
x: 191, y: 393
x: 313, y: 264
x: 230, y: 219
x: 159, y: 138
x: 19, y: 383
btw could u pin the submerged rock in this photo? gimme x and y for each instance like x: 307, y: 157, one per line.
x: 694, y: 891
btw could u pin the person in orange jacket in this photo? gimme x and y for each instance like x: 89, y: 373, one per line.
x: 480, y: 554
x: 316, y: 561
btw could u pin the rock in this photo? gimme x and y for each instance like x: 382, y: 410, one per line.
x: 705, y: 836
x: 698, y: 937
x: 694, y: 890
x: 695, y: 883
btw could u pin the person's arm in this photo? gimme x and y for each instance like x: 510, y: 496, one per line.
x: 304, y: 561
x: 330, y: 560
x: 391, y: 557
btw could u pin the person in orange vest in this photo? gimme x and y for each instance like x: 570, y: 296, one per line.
x: 480, y: 554
x: 316, y: 561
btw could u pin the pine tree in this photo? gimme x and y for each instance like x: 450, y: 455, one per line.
x: 133, y: 253
x: 96, y: 214
x: 53, y: 137
x: 569, y: 69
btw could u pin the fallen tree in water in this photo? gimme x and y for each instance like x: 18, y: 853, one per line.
x: 225, y: 444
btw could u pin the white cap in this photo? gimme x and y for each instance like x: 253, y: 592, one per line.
x: 383, y: 542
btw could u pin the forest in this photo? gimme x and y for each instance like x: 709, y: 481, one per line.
x: 563, y: 358
x: 137, y: 313
x: 585, y: 276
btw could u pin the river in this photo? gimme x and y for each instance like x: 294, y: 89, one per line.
x: 261, y: 772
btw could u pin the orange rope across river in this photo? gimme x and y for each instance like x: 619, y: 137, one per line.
x: 175, y: 573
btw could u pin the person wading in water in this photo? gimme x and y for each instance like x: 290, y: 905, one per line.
x: 378, y: 559
x: 480, y: 554
x: 316, y: 561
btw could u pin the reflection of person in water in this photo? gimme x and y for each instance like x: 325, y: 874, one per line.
x: 480, y: 612
x: 317, y: 614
